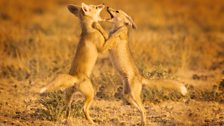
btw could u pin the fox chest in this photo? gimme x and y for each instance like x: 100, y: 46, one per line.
x: 85, y: 57
x: 120, y: 58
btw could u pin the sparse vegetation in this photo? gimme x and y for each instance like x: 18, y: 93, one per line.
x: 53, y: 107
x: 181, y: 40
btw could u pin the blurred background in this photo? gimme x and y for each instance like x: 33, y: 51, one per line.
x: 38, y: 37
x: 175, y: 39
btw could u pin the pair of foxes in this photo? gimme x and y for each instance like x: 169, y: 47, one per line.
x: 94, y: 39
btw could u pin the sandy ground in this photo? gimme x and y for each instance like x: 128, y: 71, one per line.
x: 37, y: 41
x: 19, y: 103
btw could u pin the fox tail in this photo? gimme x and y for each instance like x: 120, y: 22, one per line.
x: 166, y: 84
x: 62, y: 81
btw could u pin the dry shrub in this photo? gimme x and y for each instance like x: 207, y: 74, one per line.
x: 53, y: 107
x: 108, y: 85
x: 216, y: 94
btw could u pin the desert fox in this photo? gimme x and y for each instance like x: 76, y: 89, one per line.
x: 91, y: 43
x: 124, y: 63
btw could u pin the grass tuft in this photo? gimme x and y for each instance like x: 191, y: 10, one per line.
x: 53, y: 107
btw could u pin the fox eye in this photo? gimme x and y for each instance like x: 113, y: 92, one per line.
x: 117, y: 11
x: 96, y: 7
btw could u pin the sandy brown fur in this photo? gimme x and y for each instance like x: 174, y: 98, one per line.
x: 91, y: 43
x: 123, y: 62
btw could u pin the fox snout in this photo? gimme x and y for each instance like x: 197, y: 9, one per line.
x: 109, y: 11
x: 108, y: 8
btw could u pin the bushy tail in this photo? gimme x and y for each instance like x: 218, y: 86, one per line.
x: 166, y: 84
x: 61, y: 81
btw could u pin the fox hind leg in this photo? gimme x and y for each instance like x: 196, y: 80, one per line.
x: 126, y: 92
x: 68, y: 100
x: 87, y: 89
x: 136, y: 88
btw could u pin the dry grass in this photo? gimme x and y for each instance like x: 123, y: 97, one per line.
x: 182, y: 40
x: 53, y: 107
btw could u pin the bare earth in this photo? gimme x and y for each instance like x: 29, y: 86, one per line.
x: 182, y: 40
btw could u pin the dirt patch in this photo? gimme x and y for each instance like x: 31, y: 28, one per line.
x: 180, y: 40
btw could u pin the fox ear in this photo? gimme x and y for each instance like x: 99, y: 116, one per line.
x: 85, y: 7
x: 74, y: 9
x: 132, y: 23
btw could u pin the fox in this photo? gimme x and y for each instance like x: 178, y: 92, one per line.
x: 123, y: 62
x: 91, y: 43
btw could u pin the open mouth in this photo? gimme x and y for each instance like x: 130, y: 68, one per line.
x: 108, y: 10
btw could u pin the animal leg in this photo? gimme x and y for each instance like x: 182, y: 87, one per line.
x: 87, y: 89
x: 68, y: 100
x: 136, y: 88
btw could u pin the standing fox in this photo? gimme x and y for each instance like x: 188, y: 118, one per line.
x: 124, y: 64
x: 91, y: 42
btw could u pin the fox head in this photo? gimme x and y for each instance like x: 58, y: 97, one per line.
x: 92, y: 11
x: 120, y: 18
